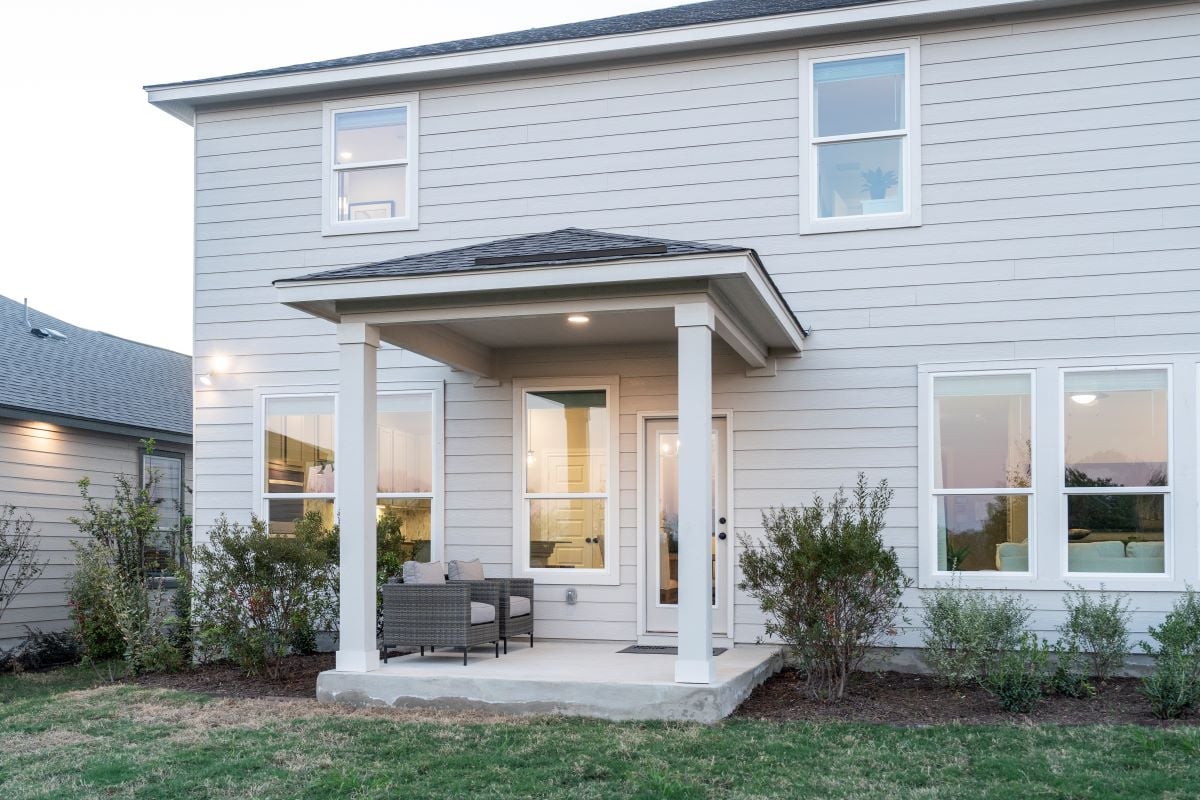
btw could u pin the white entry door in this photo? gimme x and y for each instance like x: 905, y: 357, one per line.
x: 660, y: 575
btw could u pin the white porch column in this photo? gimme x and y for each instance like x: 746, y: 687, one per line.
x: 357, y: 475
x: 695, y: 323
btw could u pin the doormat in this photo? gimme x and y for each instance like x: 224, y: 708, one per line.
x: 661, y: 650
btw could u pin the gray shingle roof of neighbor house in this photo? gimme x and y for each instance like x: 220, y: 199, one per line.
x: 555, y: 248
x: 91, y: 376
x: 714, y: 11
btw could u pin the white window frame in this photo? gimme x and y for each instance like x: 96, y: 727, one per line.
x: 611, y: 573
x: 1048, y: 563
x: 436, y: 391
x: 330, y: 224
x: 437, y: 431
x: 910, y: 135
x: 1167, y: 492
x: 929, y: 497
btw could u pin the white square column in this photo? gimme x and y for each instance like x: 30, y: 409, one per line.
x: 357, y: 476
x: 695, y: 323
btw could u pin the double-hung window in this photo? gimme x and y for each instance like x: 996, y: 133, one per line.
x: 407, y: 456
x: 1116, y: 478
x: 299, y: 476
x: 566, y: 482
x: 370, y: 158
x: 860, y: 136
x: 982, y: 486
x: 162, y: 478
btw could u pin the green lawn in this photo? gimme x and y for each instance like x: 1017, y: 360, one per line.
x: 64, y: 736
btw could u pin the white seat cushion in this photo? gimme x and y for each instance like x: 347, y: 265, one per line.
x: 482, y: 612
x: 518, y: 606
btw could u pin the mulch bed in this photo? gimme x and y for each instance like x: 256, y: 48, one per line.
x: 895, y: 698
x: 298, y: 678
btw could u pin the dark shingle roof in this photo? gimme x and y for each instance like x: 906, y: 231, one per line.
x: 673, y: 17
x: 556, y: 248
x: 92, y: 376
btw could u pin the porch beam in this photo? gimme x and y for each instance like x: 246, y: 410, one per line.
x: 443, y: 345
x: 743, y: 342
x: 695, y: 324
x: 358, y: 349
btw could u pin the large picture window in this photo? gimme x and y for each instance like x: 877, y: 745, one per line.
x: 371, y: 165
x: 567, y: 475
x: 1116, y: 469
x: 859, y: 122
x: 983, y: 471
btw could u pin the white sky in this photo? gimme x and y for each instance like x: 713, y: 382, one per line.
x: 96, y: 219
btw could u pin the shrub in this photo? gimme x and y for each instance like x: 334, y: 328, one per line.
x: 966, y: 632
x: 1018, y: 679
x: 19, y: 562
x: 828, y: 585
x: 1070, y: 678
x: 1097, y: 625
x: 40, y: 650
x: 111, y: 590
x: 256, y: 595
x: 1173, y: 689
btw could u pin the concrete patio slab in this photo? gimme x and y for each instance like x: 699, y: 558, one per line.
x: 573, y: 678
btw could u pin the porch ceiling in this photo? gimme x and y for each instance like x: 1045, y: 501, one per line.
x: 462, y: 306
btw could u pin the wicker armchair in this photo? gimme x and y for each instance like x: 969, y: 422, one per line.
x: 438, y: 615
x: 511, y: 587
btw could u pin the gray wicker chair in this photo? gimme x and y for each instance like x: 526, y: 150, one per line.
x: 510, y: 625
x: 438, y: 615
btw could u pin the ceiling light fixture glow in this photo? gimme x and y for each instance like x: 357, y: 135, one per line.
x: 579, y: 319
x: 1083, y: 399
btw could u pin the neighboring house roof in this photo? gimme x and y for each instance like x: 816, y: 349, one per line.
x: 91, y: 376
x: 674, y: 17
x: 556, y: 248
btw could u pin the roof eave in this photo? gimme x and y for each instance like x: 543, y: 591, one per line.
x: 180, y: 100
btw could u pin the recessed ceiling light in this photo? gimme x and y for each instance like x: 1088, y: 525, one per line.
x: 579, y: 319
x: 1083, y: 399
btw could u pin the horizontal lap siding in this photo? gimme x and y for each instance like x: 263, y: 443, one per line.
x: 1061, y: 161
x: 40, y: 467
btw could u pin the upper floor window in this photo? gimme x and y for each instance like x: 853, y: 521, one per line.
x: 370, y: 177
x: 859, y: 121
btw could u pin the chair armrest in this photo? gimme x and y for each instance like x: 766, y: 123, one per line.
x: 482, y: 592
x: 421, y: 605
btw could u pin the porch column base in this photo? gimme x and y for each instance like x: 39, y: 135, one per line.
x: 356, y: 660
x: 690, y: 671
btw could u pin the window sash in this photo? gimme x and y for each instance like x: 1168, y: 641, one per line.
x: 333, y: 223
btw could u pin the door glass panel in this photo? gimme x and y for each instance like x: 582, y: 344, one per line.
x: 566, y: 533
x: 667, y: 573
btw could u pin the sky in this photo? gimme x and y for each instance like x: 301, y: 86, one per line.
x: 96, y: 225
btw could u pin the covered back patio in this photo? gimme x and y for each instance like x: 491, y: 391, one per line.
x: 466, y: 308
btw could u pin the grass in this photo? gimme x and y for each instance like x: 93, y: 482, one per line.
x: 64, y: 735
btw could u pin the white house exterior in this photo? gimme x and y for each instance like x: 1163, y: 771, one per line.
x: 984, y: 215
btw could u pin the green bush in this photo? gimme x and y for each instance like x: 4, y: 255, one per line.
x: 1095, y: 636
x: 828, y: 585
x: 20, y: 564
x: 1018, y: 678
x: 967, y: 631
x: 257, y: 596
x: 90, y: 601
x: 1173, y: 689
x: 1070, y: 673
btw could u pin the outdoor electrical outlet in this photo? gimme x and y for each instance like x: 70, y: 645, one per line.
x: 572, y: 596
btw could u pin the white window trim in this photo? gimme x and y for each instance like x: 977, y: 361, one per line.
x: 330, y: 225
x: 1048, y: 553
x: 929, y: 497
x: 611, y: 574
x: 436, y: 390
x: 911, y: 135
x: 1168, y: 491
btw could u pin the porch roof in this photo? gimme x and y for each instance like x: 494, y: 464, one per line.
x: 459, y: 306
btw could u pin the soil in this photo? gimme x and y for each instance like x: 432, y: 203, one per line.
x: 895, y: 698
x: 298, y: 678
